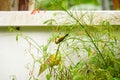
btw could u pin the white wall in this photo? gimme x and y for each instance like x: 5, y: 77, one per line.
x: 13, y: 57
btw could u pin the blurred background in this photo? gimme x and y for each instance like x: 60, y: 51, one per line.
x: 24, y: 5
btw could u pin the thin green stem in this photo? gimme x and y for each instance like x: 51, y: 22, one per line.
x: 82, y: 26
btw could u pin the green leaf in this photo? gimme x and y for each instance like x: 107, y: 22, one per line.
x: 43, y: 67
x: 10, y: 29
x: 48, y: 76
x: 49, y: 22
x: 17, y: 37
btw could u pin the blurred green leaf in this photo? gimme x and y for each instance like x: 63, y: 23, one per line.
x: 10, y: 29
x: 17, y: 37
x: 52, y: 5
x: 48, y: 76
x: 42, y: 68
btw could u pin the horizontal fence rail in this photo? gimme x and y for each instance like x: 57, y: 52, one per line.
x: 54, y: 18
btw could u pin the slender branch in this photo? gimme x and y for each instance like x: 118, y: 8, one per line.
x: 82, y: 26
